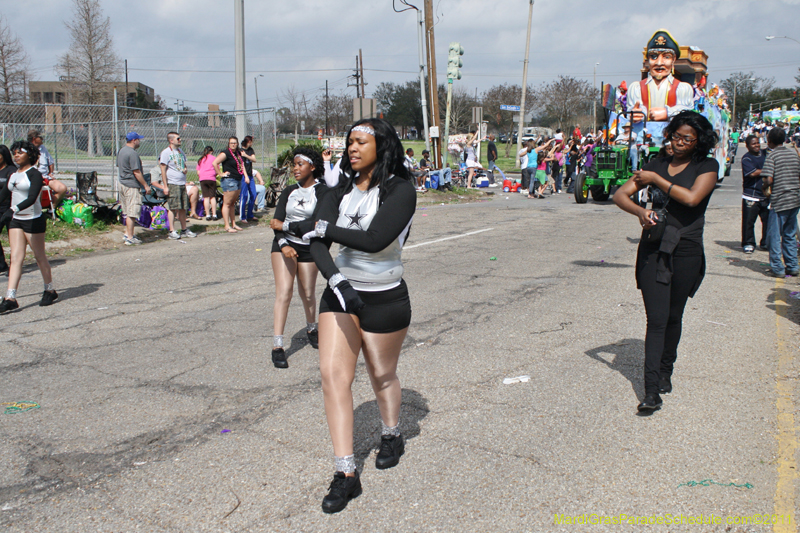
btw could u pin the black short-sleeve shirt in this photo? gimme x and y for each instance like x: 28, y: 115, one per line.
x: 681, y: 215
x: 248, y: 165
x: 230, y: 165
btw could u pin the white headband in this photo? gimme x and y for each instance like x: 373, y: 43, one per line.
x: 365, y: 129
x: 23, y: 150
x: 305, y: 158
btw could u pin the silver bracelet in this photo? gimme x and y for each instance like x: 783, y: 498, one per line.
x: 283, y: 242
x: 336, y: 279
x: 321, y: 227
x: 285, y: 226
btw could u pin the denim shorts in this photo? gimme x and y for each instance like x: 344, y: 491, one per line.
x: 229, y: 184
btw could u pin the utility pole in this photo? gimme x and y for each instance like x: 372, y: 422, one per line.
x: 358, y: 78
x: 433, y: 87
x: 524, y: 85
x: 240, y: 83
x: 326, y: 108
x: 361, y: 62
x: 422, y: 95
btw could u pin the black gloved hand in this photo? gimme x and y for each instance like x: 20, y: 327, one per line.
x: 348, y: 297
x: 301, y: 228
x: 6, y: 217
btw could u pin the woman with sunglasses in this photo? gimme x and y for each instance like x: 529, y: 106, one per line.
x: 670, y: 270
x: 366, y: 306
x: 26, y: 223
x: 230, y: 168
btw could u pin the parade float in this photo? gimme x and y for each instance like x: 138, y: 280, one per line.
x: 611, y: 166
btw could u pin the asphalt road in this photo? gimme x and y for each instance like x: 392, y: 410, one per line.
x: 154, y: 351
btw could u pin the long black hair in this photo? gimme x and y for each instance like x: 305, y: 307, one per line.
x: 206, y: 151
x: 389, y: 151
x: 5, y: 155
x: 30, y: 148
x: 707, y: 138
x: 316, y: 159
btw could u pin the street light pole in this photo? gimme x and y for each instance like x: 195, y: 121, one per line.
x: 238, y: 37
x: 524, y: 85
x: 770, y: 37
x: 260, y: 123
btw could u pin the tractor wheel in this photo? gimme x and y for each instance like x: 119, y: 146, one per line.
x: 581, y: 192
x: 599, y: 193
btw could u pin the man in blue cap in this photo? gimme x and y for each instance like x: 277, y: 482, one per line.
x: 660, y: 96
x: 132, y: 184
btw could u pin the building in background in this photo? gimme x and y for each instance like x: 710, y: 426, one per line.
x: 58, y: 92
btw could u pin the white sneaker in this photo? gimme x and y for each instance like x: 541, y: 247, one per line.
x: 188, y: 233
x: 174, y: 235
x: 130, y: 241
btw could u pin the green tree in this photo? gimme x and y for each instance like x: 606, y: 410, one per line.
x: 492, y: 99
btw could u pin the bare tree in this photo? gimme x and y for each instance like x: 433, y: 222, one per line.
x: 294, y: 100
x: 91, y: 60
x: 14, y: 63
x: 562, y: 100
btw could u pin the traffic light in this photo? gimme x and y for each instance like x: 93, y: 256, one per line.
x: 454, y: 61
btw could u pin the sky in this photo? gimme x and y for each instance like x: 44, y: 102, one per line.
x: 303, y: 43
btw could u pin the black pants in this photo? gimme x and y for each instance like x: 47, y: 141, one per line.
x: 750, y: 212
x: 568, y: 175
x: 555, y: 172
x: 664, y: 304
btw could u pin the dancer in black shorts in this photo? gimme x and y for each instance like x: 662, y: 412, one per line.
x: 26, y: 223
x: 369, y: 214
x: 7, y: 167
x: 290, y: 255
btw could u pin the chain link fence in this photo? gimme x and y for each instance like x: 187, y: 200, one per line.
x: 85, y: 138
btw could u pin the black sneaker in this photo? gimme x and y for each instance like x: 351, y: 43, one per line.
x: 313, y: 338
x: 8, y: 305
x: 48, y: 298
x: 279, y: 358
x: 651, y: 402
x: 391, y: 449
x: 342, y: 490
x: 665, y: 385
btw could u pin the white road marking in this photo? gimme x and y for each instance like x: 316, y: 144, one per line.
x: 447, y: 238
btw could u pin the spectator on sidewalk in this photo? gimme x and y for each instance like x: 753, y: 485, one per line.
x: 782, y: 171
x: 247, y: 197
x: 229, y: 166
x: 491, y: 156
x: 411, y: 164
x: 45, y: 166
x: 173, y: 173
x: 208, y: 182
x: 755, y: 204
x: 132, y: 185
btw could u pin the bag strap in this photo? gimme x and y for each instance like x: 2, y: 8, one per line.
x: 651, y: 196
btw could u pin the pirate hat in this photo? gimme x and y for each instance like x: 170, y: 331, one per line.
x: 662, y: 40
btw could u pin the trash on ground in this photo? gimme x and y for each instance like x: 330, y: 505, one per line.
x: 493, y: 258
x: 794, y: 295
x: 717, y: 323
x: 225, y: 431
x: 518, y: 379
x: 101, y: 308
x: 708, y: 483
x: 258, y: 249
x: 18, y: 407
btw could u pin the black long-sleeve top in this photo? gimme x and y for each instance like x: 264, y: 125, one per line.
x: 375, y: 227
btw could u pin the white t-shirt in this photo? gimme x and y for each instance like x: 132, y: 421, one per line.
x: 20, y: 185
x: 176, y: 165
x: 523, y: 158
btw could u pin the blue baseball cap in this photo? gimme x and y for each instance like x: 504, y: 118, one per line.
x: 132, y: 136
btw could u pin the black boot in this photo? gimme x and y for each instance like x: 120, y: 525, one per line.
x: 665, y: 384
x: 651, y: 402
x: 279, y: 358
x: 341, y: 491
x: 391, y: 449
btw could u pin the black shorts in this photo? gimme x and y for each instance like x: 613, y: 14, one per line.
x: 209, y: 188
x: 32, y: 225
x: 303, y: 251
x: 384, y: 312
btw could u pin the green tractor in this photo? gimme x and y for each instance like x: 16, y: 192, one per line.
x: 610, y: 168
